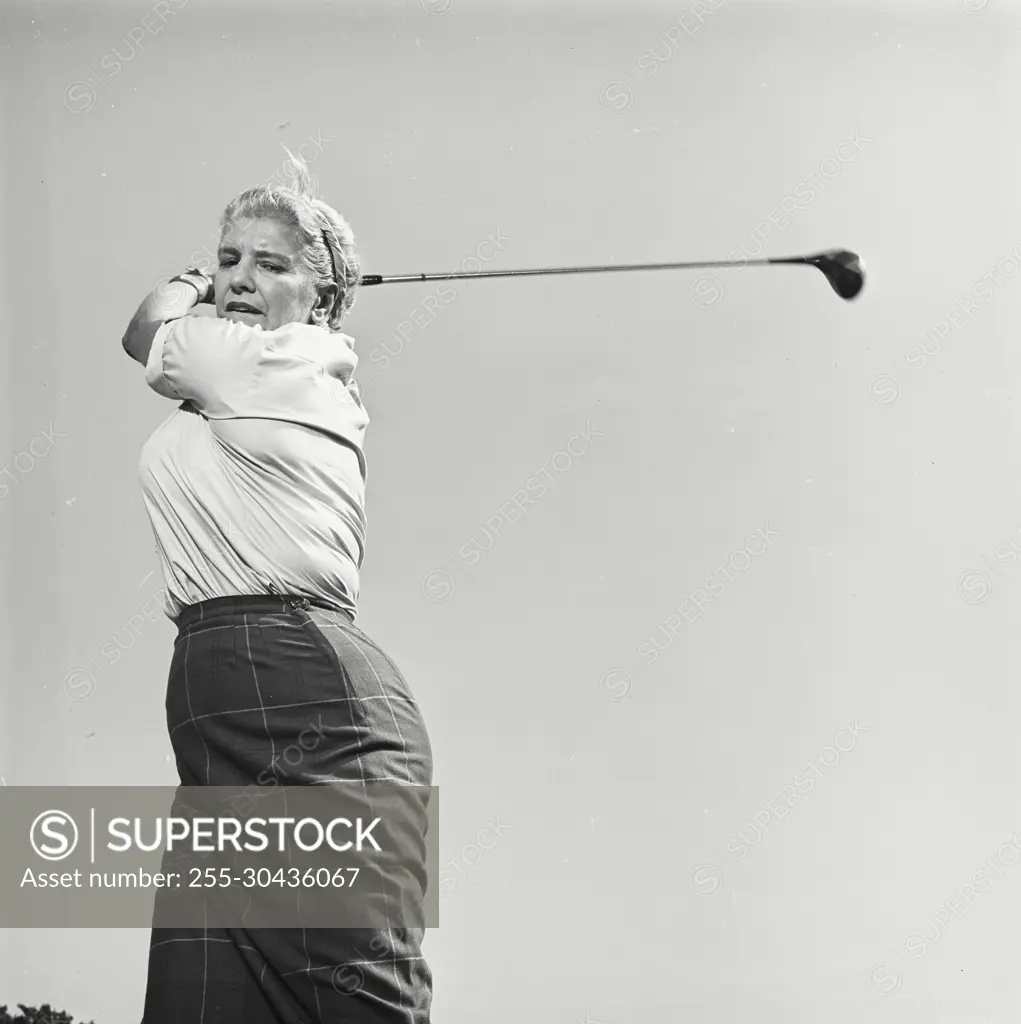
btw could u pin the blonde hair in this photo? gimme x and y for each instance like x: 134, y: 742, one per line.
x: 326, y: 241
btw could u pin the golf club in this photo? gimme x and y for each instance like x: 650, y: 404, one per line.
x: 842, y: 268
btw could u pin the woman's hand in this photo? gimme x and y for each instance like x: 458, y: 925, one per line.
x: 202, y: 281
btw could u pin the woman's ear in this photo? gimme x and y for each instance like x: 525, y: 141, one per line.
x: 325, y: 301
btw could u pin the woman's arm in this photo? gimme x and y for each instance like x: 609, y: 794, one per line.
x: 166, y: 302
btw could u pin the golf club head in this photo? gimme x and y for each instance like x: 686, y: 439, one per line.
x: 843, y: 270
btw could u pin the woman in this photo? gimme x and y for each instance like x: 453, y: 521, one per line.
x: 255, y: 490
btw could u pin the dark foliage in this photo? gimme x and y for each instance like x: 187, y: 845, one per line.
x: 44, y: 1014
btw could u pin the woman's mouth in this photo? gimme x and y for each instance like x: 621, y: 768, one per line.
x: 242, y: 307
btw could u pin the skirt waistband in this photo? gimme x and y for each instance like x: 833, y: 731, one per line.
x: 248, y: 604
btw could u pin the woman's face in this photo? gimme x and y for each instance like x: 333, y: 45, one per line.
x: 260, y: 279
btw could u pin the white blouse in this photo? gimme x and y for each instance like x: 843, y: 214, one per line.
x: 256, y: 484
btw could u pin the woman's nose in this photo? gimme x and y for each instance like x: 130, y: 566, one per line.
x: 241, y: 277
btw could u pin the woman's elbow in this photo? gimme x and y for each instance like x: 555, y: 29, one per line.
x: 138, y: 338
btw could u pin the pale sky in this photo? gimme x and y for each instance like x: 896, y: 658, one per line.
x: 880, y: 595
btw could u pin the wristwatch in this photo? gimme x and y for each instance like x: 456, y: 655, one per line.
x: 200, y: 281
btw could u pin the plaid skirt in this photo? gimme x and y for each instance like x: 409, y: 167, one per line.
x: 249, y: 676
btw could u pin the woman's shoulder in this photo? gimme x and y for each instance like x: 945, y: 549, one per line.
x: 308, y: 334
x: 333, y: 351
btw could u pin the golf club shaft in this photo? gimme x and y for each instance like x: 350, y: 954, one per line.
x: 370, y: 279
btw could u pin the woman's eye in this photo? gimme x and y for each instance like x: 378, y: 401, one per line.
x: 226, y: 261
x: 271, y: 266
